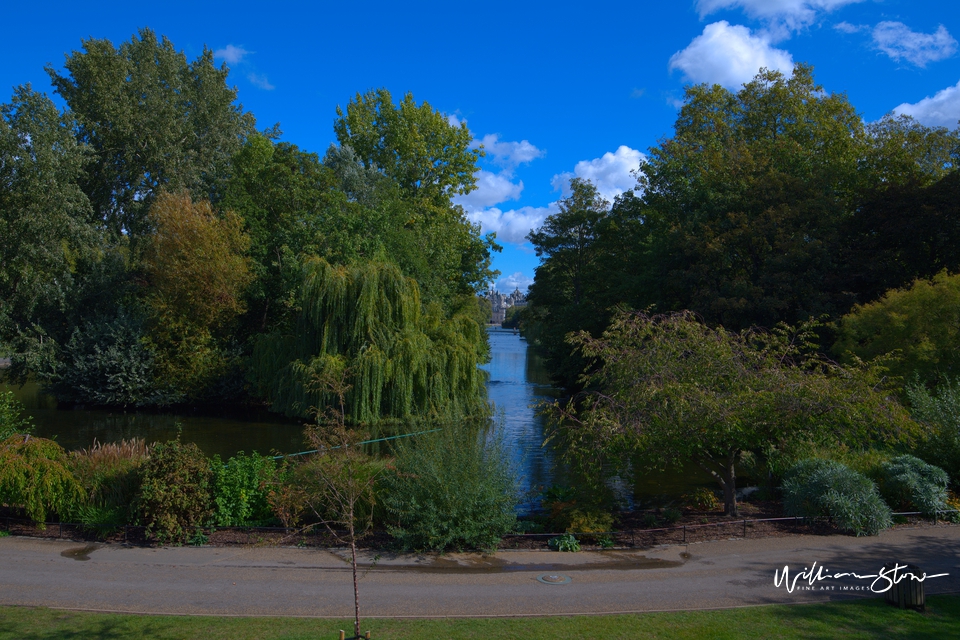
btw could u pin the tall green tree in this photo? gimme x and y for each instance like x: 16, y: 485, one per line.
x: 152, y: 120
x: 429, y: 160
x: 45, y: 219
x: 746, y: 200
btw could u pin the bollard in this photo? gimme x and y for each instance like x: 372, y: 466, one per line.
x: 907, y: 593
x: 343, y: 634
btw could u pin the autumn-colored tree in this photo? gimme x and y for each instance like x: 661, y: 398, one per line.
x: 196, y: 274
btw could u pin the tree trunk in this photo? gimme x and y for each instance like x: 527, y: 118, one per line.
x: 356, y: 588
x: 727, y: 478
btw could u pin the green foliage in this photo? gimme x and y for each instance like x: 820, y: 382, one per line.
x: 412, y: 144
x: 175, y: 491
x: 35, y: 476
x: 153, y: 120
x: 451, y: 490
x: 567, y: 542
x: 908, y: 483
x: 403, y: 362
x: 702, y: 499
x: 196, y: 272
x: 240, y: 490
x: 920, y: 324
x: 816, y: 487
x: 940, y: 409
x: 45, y: 222
x: 672, y: 390
x: 672, y: 515
x: 12, y: 420
x: 110, y: 475
x: 570, y: 511
x: 105, y: 362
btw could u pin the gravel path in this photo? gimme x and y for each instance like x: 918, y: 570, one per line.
x: 300, y: 582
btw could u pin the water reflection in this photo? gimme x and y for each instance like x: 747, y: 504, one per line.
x: 518, y: 381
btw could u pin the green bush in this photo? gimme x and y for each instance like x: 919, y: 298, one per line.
x: 566, y: 542
x: 12, y: 420
x: 175, y: 490
x: 818, y: 487
x: 35, y: 476
x: 940, y: 410
x: 910, y: 483
x: 240, y: 490
x: 110, y: 474
x: 451, y: 489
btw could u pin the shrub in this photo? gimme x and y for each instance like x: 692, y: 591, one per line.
x: 671, y: 515
x: 175, y: 490
x: 818, y: 487
x: 702, y: 499
x: 12, y: 420
x: 34, y: 476
x: 908, y: 482
x: 451, y: 489
x: 566, y: 542
x: 110, y: 474
x: 941, y: 410
x: 240, y: 490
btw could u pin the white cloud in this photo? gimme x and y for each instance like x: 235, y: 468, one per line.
x: 492, y: 188
x: 454, y: 121
x: 897, y: 41
x: 513, y: 225
x: 260, y: 81
x: 729, y: 55
x: 780, y: 14
x: 846, y: 27
x: 231, y: 54
x: 612, y: 173
x: 509, y: 155
x: 942, y: 110
x: 516, y: 281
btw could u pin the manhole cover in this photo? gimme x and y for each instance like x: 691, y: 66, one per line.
x: 553, y: 578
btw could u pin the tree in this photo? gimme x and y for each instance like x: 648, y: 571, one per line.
x: 919, y: 324
x: 428, y: 160
x: 414, y: 145
x: 45, y: 219
x: 405, y: 359
x: 196, y: 272
x: 671, y: 390
x: 745, y: 202
x: 339, y: 481
x: 152, y: 120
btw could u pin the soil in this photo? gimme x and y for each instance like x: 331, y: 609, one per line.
x: 756, y: 520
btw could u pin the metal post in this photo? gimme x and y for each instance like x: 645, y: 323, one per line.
x: 744, y: 527
x: 684, y: 534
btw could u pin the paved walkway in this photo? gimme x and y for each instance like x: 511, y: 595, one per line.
x: 300, y: 582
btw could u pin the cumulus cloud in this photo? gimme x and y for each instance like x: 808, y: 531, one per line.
x: 492, y: 188
x: 942, y: 110
x: 454, y: 121
x: 260, y: 81
x: 612, y: 173
x: 729, y: 55
x: 509, y: 155
x: 898, y: 41
x: 513, y: 225
x: 231, y: 54
x: 788, y: 15
x: 517, y: 280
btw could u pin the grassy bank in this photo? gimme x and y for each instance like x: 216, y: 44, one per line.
x: 858, y: 619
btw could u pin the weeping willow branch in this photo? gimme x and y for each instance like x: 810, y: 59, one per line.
x: 405, y: 360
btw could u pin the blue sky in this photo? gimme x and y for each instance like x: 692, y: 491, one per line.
x: 552, y: 90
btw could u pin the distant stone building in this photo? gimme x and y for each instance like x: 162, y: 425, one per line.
x: 500, y: 302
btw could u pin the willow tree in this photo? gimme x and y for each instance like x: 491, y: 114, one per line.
x: 404, y: 360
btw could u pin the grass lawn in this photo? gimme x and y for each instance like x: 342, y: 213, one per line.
x: 858, y: 619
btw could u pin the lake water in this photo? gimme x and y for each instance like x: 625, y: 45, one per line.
x: 517, y: 382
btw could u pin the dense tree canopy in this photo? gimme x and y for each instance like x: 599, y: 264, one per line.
x: 152, y: 120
